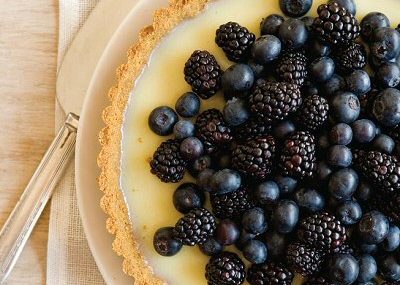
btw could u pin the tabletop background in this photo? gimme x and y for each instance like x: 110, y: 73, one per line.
x: 28, y: 62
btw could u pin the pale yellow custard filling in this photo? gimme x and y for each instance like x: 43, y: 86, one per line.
x: 162, y: 82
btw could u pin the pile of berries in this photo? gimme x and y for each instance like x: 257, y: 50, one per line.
x: 302, y: 165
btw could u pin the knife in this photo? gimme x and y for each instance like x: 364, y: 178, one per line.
x: 72, y: 83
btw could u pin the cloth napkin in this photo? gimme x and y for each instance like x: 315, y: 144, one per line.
x: 69, y: 260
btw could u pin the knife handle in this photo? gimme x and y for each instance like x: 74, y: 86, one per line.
x: 20, y: 223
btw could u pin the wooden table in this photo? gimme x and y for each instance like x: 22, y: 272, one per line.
x: 28, y: 60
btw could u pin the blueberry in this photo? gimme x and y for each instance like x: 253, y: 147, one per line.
x: 310, y: 88
x: 384, y: 143
x: 188, y: 105
x: 309, y: 199
x: 276, y: 244
x: 237, y: 80
x: 368, y: 248
x: 283, y: 129
x: 225, y: 181
x: 322, y: 69
x: 333, y: 85
x: 339, y: 156
x: 258, y: 69
x: 371, y: 22
x: 343, y: 183
x: 243, y: 239
x: 266, y: 49
x: 255, y: 251
x: 204, y: 179
x: 343, y: 269
x: 200, y: 164
x: 341, y: 134
x: 254, y: 222
x: 211, y: 247
x: 308, y: 21
x: 323, y: 171
x: 345, y: 107
x: 270, y: 25
x: 358, y: 82
x: 162, y: 120
x: 317, y: 49
x: 293, y: 33
x: 184, y: 129
x: 376, y: 62
x: 348, y: 4
x: 386, y: 107
x: 266, y: 193
x: 389, y: 268
x: 286, y: 184
x: 385, y: 43
x: 364, y: 191
x: 191, y: 148
x: 285, y: 216
x: 227, y: 232
x: 364, y: 131
x: 187, y: 197
x: 323, y: 142
x: 164, y: 242
x: 392, y: 241
x: 373, y: 227
x: 368, y: 268
x: 295, y: 8
x: 235, y: 112
x: 349, y: 212
x: 388, y: 74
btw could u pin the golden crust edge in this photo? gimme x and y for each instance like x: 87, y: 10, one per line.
x: 112, y: 202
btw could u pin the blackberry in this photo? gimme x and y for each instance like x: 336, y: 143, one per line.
x: 253, y: 128
x: 203, y: 73
x: 212, y: 130
x: 231, y: 205
x: 381, y: 169
x: 167, y: 162
x: 274, y: 101
x: 349, y: 58
x: 269, y: 274
x: 304, y: 259
x: 313, y: 112
x: 225, y: 268
x: 323, y: 231
x: 344, y: 249
x: 235, y: 40
x: 317, y: 280
x: 335, y: 25
x: 388, y: 204
x: 196, y: 227
x: 298, y: 157
x: 254, y: 158
x: 292, y: 67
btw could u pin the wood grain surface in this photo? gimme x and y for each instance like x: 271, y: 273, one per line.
x: 28, y: 59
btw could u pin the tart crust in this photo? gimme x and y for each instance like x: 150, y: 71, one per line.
x: 110, y: 137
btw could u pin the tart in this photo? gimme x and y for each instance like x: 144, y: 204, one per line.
x: 136, y: 202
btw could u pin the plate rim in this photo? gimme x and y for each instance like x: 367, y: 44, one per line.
x: 88, y: 102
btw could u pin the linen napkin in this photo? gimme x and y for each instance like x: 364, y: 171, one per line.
x: 69, y: 260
